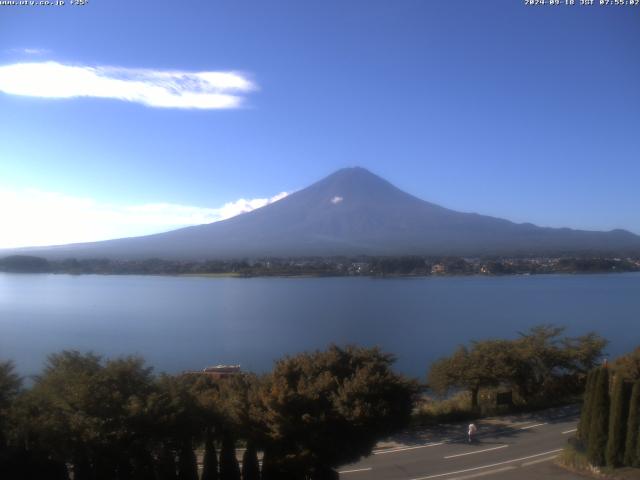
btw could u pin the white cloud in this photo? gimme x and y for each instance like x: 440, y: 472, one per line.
x: 153, y: 88
x: 29, y: 51
x: 335, y: 200
x: 243, y: 205
x: 37, y: 218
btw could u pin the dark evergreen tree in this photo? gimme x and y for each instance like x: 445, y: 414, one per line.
x: 324, y: 473
x: 10, y: 385
x: 229, y: 468
x: 250, y: 465
x: 637, y: 459
x: 187, y: 463
x: 63, y: 471
x: 599, y: 423
x: 210, y: 464
x: 268, y: 471
x: 142, y: 465
x: 617, y: 423
x: 166, y: 464
x: 631, y: 457
x: 59, y: 470
x: 81, y: 467
x: 124, y: 469
x: 585, y: 414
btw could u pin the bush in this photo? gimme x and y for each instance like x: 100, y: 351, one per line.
x: 574, y: 457
x: 453, y: 409
x: 599, y: 423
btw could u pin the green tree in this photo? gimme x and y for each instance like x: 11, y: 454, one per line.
x: 241, y: 409
x: 582, y: 354
x: 242, y: 413
x: 121, y: 389
x: 488, y: 364
x: 599, y: 421
x: 325, y: 474
x: 539, y: 365
x: 269, y: 469
x: 229, y: 468
x: 165, y: 465
x: 60, y: 401
x: 324, y: 409
x: 628, y: 365
x: 617, y: 423
x: 10, y: 385
x: 631, y: 457
x: 540, y: 358
x: 250, y: 465
x: 181, y: 419
x: 637, y: 456
x: 24, y: 264
x: 187, y: 462
x: 92, y: 414
x: 210, y: 462
x: 585, y: 413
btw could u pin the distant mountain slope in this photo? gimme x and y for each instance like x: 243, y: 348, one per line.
x: 352, y: 212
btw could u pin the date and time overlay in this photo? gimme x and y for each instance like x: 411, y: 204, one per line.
x: 529, y: 3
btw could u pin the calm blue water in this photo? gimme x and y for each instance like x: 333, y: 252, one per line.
x: 180, y: 323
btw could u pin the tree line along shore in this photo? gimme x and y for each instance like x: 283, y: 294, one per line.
x: 335, y: 266
x: 86, y: 417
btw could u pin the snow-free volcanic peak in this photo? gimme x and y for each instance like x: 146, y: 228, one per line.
x: 352, y: 212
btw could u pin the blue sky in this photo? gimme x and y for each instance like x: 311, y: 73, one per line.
x: 527, y: 113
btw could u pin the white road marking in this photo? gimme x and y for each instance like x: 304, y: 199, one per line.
x: 517, y: 424
x: 402, y: 449
x: 447, y: 440
x: 476, y: 451
x: 484, y: 474
x: 488, y: 466
x: 533, y: 426
x: 540, y: 460
x: 356, y: 470
x: 570, y: 431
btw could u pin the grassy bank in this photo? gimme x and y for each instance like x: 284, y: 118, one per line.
x: 457, y: 408
x: 574, y: 459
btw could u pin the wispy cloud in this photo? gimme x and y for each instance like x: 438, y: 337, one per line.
x: 30, y: 51
x: 153, y: 88
x: 36, y: 218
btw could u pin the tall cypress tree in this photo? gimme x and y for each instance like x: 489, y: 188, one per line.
x: 142, y: 465
x: 599, y: 423
x: 250, y: 465
x: 617, y: 423
x: 269, y: 469
x: 585, y: 414
x: 82, y: 467
x: 631, y: 457
x: 187, y: 463
x: 229, y: 468
x: 210, y: 463
x: 637, y: 459
x: 322, y: 472
x: 165, y: 465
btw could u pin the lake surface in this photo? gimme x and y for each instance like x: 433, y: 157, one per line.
x: 183, y: 323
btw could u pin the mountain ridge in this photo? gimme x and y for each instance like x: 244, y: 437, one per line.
x: 351, y: 212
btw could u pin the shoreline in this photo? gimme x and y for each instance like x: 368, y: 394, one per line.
x: 328, y: 275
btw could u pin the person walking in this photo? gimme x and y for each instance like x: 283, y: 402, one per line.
x: 472, y: 432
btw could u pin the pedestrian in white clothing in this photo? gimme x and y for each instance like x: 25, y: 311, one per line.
x: 472, y: 431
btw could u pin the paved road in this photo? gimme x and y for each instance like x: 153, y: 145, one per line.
x: 522, y: 448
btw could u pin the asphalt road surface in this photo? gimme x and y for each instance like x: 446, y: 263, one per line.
x: 523, y: 449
